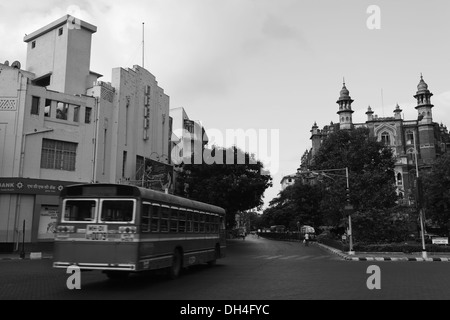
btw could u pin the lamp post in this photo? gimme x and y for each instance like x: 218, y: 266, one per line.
x: 419, y: 199
x: 348, y: 207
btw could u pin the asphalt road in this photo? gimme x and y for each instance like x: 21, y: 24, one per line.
x: 254, y: 269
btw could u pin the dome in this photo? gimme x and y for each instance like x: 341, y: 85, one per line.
x: 344, y: 92
x: 422, y: 86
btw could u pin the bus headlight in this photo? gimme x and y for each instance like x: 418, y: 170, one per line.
x: 65, y: 229
x: 127, y: 229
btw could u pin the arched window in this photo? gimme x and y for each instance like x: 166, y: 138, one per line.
x: 409, y: 137
x: 399, y: 179
x: 386, y: 138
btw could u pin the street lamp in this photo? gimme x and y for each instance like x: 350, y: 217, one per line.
x: 348, y: 207
x: 419, y: 199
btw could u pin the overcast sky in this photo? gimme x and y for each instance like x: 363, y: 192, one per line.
x: 263, y: 64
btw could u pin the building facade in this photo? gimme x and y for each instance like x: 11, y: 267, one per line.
x: 415, y: 143
x: 60, y: 125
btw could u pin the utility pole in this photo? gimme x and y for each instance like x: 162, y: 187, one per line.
x: 419, y: 199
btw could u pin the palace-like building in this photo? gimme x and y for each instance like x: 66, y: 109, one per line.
x: 421, y: 139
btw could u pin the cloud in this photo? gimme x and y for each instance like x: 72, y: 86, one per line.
x: 274, y: 27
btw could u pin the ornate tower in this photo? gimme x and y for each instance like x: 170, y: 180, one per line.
x: 316, y: 138
x: 425, y: 141
x: 398, y: 112
x: 345, y: 109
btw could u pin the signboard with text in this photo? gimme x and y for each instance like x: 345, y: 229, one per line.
x: 32, y: 186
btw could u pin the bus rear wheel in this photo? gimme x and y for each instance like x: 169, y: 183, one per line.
x: 177, y: 264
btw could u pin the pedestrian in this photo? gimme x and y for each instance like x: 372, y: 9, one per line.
x: 306, y: 240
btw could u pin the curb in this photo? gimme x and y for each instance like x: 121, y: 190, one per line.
x: 353, y: 258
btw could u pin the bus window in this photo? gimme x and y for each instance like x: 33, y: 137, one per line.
x: 216, y: 224
x: 182, y: 221
x: 79, y: 210
x: 207, y: 223
x: 202, y: 222
x: 196, y: 218
x: 189, y: 223
x: 174, y: 220
x: 164, y: 221
x: 117, y: 210
x: 146, y: 217
x: 155, y: 219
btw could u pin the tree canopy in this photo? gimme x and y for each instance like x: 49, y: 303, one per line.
x: 229, y: 178
x: 436, y: 188
x: 319, y: 195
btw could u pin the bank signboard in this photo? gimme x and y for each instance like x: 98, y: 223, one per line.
x: 32, y: 186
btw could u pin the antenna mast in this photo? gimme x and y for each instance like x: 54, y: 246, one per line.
x: 143, y: 45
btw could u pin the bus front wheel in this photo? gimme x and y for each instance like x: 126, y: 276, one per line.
x: 177, y: 264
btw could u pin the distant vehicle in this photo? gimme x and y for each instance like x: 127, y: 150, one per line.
x: 308, y: 230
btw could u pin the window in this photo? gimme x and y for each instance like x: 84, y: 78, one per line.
x: 146, y: 217
x: 196, y: 222
x: 62, y: 110
x: 174, y: 220
x: 154, y: 223
x: 182, y: 220
x: 189, y: 225
x: 87, y: 115
x: 35, y: 105
x: 79, y: 210
x: 76, y: 113
x: 60, y: 31
x: 386, y: 138
x: 117, y: 210
x: 189, y: 126
x: 33, y: 44
x: 58, y: 155
x: 409, y: 137
x: 124, y: 163
x: 164, y: 221
x: 202, y: 217
x: 48, y: 108
x: 399, y: 179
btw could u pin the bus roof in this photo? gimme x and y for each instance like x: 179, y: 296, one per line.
x: 108, y: 189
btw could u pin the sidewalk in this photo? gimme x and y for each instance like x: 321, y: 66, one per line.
x: 28, y: 256
x: 389, y: 256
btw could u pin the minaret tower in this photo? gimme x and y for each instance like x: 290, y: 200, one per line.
x: 425, y: 141
x: 316, y: 138
x: 345, y: 109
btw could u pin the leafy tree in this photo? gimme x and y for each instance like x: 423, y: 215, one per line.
x: 229, y: 178
x: 297, y: 203
x: 382, y: 225
x: 436, y: 188
x: 371, y: 173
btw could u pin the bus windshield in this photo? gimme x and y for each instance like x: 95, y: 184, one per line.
x: 117, y: 210
x: 79, y: 210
